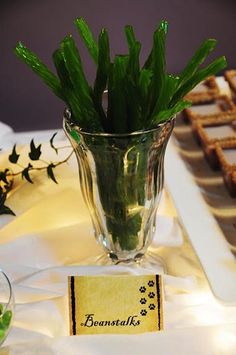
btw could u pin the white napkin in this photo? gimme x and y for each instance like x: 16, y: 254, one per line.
x: 41, y: 295
x: 4, y: 129
x: 42, y: 313
x: 168, y: 232
x: 6, y: 137
x: 211, y: 340
x: 48, y: 240
x: 69, y: 244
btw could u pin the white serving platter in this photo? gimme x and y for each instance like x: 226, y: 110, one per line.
x: 207, y: 239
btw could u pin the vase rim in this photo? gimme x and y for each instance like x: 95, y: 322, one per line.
x: 117, y: 135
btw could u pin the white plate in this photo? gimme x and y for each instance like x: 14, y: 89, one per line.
x: 204, y: 233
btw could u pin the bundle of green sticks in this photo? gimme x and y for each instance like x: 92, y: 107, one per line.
x: 139, y: 97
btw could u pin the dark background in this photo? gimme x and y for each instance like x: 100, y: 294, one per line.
x: 27, y: 104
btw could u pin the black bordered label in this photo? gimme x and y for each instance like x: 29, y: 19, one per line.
x: 115, y: 304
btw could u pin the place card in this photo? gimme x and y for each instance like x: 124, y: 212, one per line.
x: 115, y: 304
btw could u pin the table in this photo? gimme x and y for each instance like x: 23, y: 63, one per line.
x: 51, y: 237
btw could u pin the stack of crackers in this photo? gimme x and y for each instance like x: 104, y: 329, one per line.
x: 213, y: 121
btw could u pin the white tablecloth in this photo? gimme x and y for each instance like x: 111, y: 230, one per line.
x: 51, y: 237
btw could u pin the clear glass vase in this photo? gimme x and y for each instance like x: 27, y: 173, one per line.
x: 121, y: 178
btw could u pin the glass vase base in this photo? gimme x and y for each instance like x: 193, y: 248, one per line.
x: 149, y: 261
